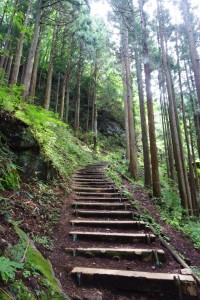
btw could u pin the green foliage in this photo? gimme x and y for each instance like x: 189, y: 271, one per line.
x: 8, y: 268
x: 195, y: 270
x: 192, y: 229
x: 44, y: 241
x: 170, y: 207
x: 59, y: 145
x: 10, y: 96
x: 9, y: 177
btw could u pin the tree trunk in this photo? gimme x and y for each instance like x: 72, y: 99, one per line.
x: 133, y: 165
x: 125, y: 106
x: 145, y: 143
x: 193, y: 157
x: 63, y: 94
x: 67, y: 102
x: 192, y: 46
x: 78, y: 91
x: 185, y: 200
x: 194, y: 108
x: 152, y: 134
x: 8, y: 68
x: 35, y: 70
x: 57, y: 93
x: 18, y: 53
x: 191, y: 172
x: 31, y: 55
x: 50, y: 71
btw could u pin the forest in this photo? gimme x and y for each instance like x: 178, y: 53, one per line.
x: 97, y: 88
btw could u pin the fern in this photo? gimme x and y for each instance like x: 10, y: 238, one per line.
x: 8, y: 268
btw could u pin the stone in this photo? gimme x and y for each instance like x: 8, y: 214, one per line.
x: 17, y: 136
x: 186, y: 271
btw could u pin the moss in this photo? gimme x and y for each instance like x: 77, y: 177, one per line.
x: 39, y: 263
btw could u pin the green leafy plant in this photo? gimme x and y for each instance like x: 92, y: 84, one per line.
x: 8, y: 268
x: 44, y: 241
x: 192, y: 229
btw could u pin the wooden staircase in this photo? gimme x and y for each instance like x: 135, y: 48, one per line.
x: 107, y: 227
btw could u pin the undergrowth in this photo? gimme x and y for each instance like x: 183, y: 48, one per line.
x: 169, y: 205
x: 56, y: 139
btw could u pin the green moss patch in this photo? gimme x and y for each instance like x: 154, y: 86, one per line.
x: 35, y: 259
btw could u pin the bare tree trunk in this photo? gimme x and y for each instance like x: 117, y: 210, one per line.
x: 31, y: 55
x: 9, y: 66
x: 183, y: 190
x: 193, y: 157
x: 78, y: 91
x: 145, y: 143
x: 125, y: 107
x: 67, y: 102
x: 57, y: 93
x: 133, y: 165
x: 192, y: 46
x: 164, y: 127
x: 50, y: 71
x: 63, y: 94
x: 152, y: 134
x: 95, y: 127
x: 22, y: 72
x: 196, y: 121
x: 191, y: 173
x: 19, y: 49
x: 35, y: 70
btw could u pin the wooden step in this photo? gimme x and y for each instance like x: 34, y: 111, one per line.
x: 96, y: 205
x: 107, y: 199
x: 105, y: 223
x: 89, y: 174
x: 106, y: 213
x: 102, y: 195
x: 114, y: 237
x: 94, y: 189
x: 146, y: 255
x: 137, y: 281
x: 91, y: 180
x: 93, y: 184
x: 94, y: 177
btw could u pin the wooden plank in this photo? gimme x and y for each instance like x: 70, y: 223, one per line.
x: 146, y: 255
x: 97, y: 194
x: 107, y: 199
x: 137, y: 281
x: 90, y: 180
x: 122, y: 236
x: 106, y: 213
x: 112, y: 205
x: 93, y: 184
x: 105, y: 223
x: 94, y: 189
